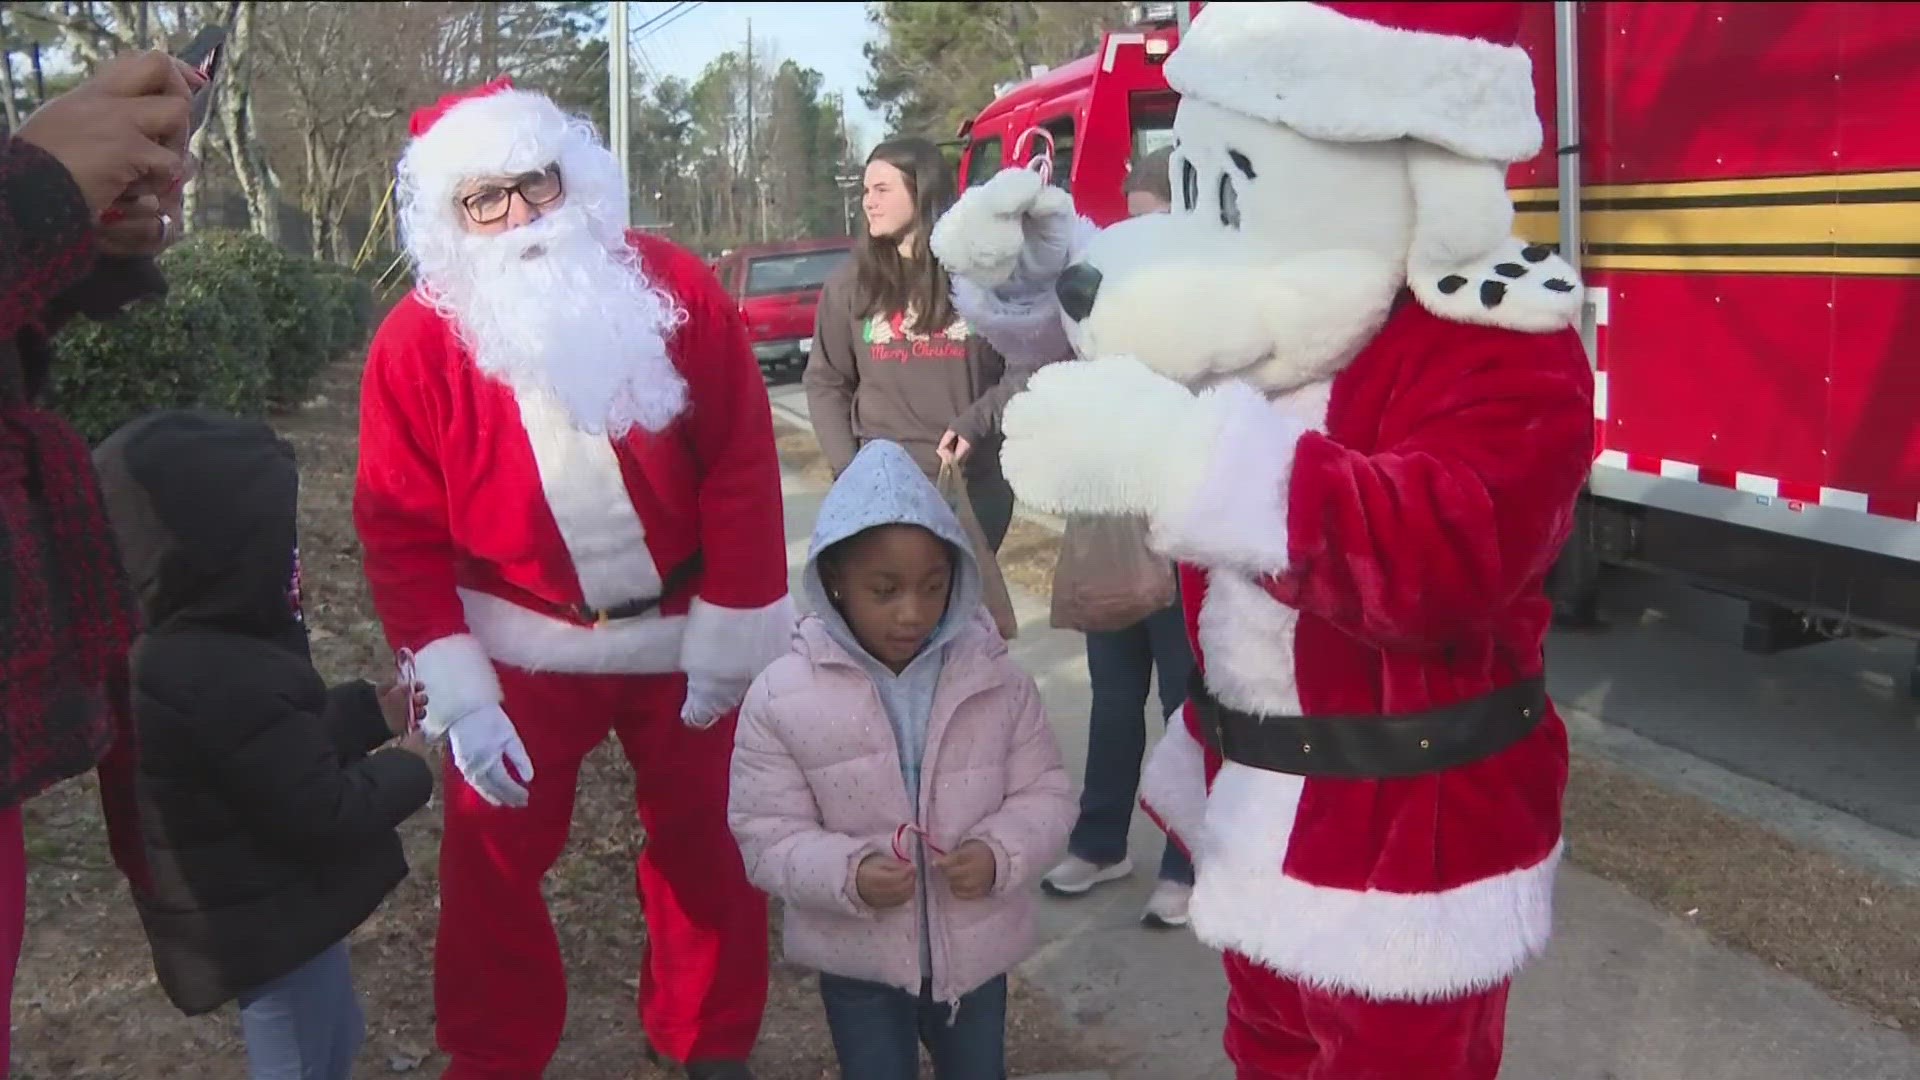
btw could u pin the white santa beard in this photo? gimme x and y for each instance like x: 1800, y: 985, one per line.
x: 552, y: 307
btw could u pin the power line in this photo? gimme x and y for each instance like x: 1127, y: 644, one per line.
x: 670, y: 16
x: 672, y: 10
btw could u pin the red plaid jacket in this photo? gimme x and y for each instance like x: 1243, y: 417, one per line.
x: 67, y: 616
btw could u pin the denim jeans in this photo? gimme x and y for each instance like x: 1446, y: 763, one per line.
x: 878, y: 1031
x: 1120, y: 665
x: 305, y: 1025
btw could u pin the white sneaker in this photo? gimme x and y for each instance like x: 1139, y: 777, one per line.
x: 1076, y: 875
x: 1167, y: 907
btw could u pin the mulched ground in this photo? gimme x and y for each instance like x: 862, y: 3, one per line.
x: 1829, y: 922
x: 86, y: 1006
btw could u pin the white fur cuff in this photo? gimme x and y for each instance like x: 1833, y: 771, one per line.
x: 1025, y: 327
x: 735, y: 644
x: 459, y: 678
x: 1173, y: 786
x: 1234, y: 513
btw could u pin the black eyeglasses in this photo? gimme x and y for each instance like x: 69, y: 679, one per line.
x: 490, y: 204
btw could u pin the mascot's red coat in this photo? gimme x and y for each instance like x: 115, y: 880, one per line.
x: 1404, y: 538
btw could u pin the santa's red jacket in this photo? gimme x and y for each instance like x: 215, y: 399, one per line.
x: 494, y: 528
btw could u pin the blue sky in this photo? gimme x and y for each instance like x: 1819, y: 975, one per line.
x: 823, y: 36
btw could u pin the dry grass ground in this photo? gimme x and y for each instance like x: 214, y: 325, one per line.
x: 86, y: 1006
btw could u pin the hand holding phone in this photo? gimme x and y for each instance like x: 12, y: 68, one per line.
x: 130, y: 221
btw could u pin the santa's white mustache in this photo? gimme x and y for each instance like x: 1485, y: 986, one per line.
x: 529, y: 241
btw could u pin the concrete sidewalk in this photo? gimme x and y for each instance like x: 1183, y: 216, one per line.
x: 1625, y: 993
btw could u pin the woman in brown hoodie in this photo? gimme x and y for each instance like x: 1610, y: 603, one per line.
x: 891, y: 360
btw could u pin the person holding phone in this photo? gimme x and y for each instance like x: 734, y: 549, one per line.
x: 116, y: 143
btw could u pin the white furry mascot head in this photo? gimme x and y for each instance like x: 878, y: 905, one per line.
x: 560, y: 305
x: 1329, y: 156
x: 1334, y: 161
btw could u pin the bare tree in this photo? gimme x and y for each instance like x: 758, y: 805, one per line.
x: 339, y: 88
x: 6, y: 70
x: 237, y: 131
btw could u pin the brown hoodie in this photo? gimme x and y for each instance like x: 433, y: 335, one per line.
x: 872, y: 379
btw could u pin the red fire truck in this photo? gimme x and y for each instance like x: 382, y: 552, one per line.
x: 1747, y: 185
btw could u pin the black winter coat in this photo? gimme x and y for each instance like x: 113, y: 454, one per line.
x: 269, y: 831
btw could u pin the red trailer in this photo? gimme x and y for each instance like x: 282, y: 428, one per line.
x: 1747, y: 185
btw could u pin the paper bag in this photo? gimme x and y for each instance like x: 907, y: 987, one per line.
x: 1108, y: 578
x: 993, y: 588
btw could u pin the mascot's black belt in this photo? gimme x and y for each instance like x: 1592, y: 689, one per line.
x: 1371, y: 747
x: 677, y: 579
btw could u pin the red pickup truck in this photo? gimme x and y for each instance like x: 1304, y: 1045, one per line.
x: 777, y: 286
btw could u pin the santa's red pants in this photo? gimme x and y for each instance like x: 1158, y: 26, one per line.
x: 1280, y: 1030
x: 500, y: 991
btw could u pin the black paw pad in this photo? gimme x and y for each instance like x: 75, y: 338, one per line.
x: 1560, y: 285
x: 1510, y: 270
x: 1534, y: 253
x: 1492, y: 292
x: 1451, y: 284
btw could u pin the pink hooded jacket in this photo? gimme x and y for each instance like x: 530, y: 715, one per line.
x: 816, y: 787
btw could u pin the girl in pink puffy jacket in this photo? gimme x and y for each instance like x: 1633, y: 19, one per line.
x: 896, y: 784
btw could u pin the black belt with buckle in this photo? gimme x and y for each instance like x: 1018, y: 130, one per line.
x: 1371, y: 746
x: 677, y: 578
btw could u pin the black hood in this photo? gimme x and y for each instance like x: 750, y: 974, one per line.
x: 205, y: 510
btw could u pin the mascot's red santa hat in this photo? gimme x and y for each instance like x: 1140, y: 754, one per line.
x: 1370, y: 420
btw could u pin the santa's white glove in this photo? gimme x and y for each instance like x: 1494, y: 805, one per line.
x: 1013, y: 234
x: 484, y: 741
x: 1106, y: 436
x: 709, y: 699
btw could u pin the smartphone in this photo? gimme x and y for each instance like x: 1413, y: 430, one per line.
x: 205, y: 52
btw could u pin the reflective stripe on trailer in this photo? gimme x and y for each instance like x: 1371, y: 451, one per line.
x: 1765, y: 487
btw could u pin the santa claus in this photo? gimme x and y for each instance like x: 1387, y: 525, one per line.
x: 570, y: 504
x: 1371, y: 420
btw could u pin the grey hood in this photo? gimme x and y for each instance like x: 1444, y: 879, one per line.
x: 883, y: 486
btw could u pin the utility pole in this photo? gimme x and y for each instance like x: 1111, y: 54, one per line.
x: 753, y: 165
x: 619, y: 131
x: 842, y: 179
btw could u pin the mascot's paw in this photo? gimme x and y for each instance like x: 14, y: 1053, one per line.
x: 1104, y: 437
x: 1520, y: 286
x: 1014, y: 229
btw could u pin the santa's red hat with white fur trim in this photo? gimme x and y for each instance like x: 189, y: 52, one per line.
x: 1446, y: 74
x: 496, y: 130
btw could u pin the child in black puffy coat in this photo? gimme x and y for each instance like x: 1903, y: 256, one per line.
x: 267, y: 811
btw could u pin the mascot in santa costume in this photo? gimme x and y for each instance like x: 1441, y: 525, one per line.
x: 570, y: 504
x: 1355, y: 410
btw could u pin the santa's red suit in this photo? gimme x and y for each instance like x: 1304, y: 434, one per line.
x: 1354, y: 408
x: 497, y: 533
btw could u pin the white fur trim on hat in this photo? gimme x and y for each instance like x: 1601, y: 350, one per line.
x: 1341, y: 79
x: 499, y: 134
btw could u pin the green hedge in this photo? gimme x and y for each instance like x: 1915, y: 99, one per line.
x: 245, y: 330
